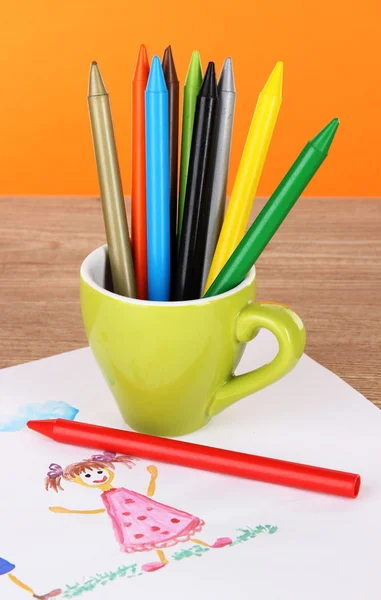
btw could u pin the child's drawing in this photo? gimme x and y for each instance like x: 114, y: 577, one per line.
x: 6, y: 568
x: 140, y: 523
x: 44, y: 410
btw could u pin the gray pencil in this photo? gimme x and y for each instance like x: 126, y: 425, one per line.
x: 114, y: 211
x: 220, y: 162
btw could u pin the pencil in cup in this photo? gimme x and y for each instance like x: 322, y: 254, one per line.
x: 172, y: 82
x: 157, y: 178
x: 138, y: 175
x: 219, y: 164
x: 114, y: 211
x: 192, y: 87
x: 249, y: 171
x: 275, y: 211
x: 198, y: 193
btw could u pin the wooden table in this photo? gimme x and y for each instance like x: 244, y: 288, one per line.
x: 324, y: 262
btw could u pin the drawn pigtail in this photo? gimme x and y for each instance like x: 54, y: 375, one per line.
x: 125, y: 460
x: 53, y: 478
x: 110, y: 458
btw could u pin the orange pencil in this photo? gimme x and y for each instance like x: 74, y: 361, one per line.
x: 138, y: 189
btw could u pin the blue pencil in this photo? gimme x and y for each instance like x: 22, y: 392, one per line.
x: 157, y: 177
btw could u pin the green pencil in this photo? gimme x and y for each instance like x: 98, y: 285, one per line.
x: 275, y: 211
x: 191, y: 89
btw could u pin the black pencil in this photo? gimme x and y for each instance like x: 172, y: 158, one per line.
x: 192, y: 247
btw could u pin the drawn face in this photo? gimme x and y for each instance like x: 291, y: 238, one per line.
x: 95, y: 478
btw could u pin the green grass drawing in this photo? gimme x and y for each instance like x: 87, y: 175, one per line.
x: 128, y: 571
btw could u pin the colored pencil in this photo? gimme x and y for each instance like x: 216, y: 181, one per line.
x: 249, y: 171
x: 275, y: 211
x: 197, y: 197
x: 191, y: 89
x: 157, y: 178
x: 219, y: 163
x: 172, y: 82
x: 138, y: 188
x: 113, y: 207
x: 195, y: 456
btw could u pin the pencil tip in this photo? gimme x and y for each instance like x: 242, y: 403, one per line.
x: 323, y: 140
x: 143, y: 53
x: 273, y: 86
x: 209, y: 84
x: 96, y: 83
x: 142, y: 65
x: 156, y: 80
x: 44, y: 426
x: 226, y: 80
x: 168, y: 65
x: 194, y: 75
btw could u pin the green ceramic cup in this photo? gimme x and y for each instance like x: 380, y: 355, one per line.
x: 170, y: 366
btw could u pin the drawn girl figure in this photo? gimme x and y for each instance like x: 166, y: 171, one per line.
x: 6, y: 568
x: 140, y: 523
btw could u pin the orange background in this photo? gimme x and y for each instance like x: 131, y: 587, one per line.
x: 332, y: 67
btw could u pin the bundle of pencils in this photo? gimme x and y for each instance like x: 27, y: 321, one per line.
x: 183, y: 245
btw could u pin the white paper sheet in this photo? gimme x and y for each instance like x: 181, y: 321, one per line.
x: 289, y: 544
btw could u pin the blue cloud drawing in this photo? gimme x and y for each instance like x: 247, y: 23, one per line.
x: 45, y: 410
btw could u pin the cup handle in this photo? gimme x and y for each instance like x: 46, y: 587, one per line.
x: 291, y: 335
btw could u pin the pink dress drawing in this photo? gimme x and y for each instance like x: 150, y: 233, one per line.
x: 141, y: 523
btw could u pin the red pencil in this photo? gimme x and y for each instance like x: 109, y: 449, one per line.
x: 138, y: 189
x: 201, y: 457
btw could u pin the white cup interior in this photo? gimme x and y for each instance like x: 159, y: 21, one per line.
x: 95, y: 271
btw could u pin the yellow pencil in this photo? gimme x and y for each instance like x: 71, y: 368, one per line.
x: 249, y: 172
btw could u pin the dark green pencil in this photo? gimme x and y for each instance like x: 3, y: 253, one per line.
x: 275, y: 211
